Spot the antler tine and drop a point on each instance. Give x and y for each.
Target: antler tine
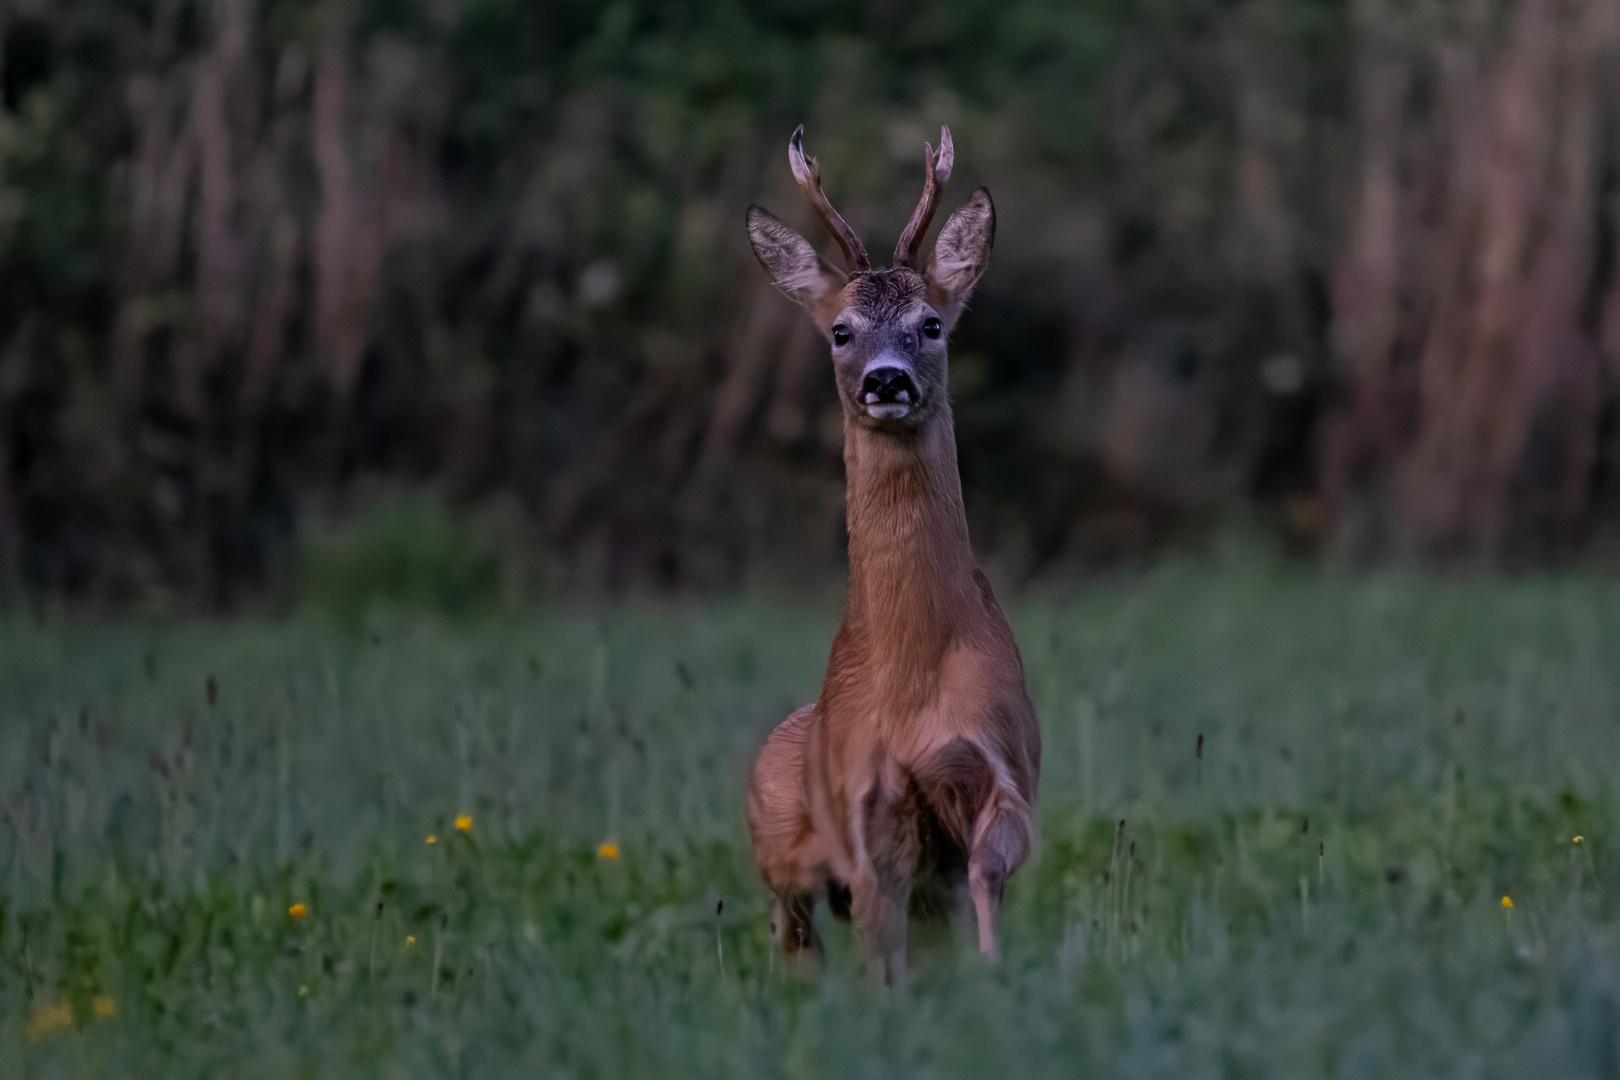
(807, 171)
(936, 173)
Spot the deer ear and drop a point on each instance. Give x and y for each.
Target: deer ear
(793, 264)
(961, 254)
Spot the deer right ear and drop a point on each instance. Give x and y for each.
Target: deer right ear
(961, 254)
(793, 264)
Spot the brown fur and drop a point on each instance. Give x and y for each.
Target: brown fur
(917, 766)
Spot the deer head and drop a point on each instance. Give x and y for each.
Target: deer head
(888, 328)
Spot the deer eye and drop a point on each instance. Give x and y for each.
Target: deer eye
(930, 328)
(840, 335)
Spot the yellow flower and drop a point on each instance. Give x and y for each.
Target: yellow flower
(1507, 902)
(105, 1006)
(48, 1018)
(298, 911)
(432, 839)
(1578, 839)
(463, 822)
(303, 991)
(410, 939)
(609, 849)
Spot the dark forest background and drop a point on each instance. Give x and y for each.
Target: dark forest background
(1346, 266)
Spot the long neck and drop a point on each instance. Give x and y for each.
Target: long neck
(911, 565)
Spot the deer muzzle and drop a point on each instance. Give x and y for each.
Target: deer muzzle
(888, 391)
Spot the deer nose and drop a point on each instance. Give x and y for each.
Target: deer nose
(888, 384)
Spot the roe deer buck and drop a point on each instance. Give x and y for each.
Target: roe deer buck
(917, 765)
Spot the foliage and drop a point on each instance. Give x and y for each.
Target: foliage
(254, 252)
(1318, 892)
(405, 548)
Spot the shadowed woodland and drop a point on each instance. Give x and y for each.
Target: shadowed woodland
(1351, 263)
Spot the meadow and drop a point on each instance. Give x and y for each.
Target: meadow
(1280, 810)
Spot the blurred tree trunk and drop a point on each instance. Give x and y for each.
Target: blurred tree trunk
(348, 247)
(1463, 306)
(14, 357)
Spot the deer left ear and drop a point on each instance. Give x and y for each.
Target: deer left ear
(961, 254)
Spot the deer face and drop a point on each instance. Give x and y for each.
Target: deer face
(887, 328)
(888, 349)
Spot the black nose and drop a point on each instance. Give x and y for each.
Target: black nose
(885, 384)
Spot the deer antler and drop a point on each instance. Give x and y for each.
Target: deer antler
(936, 174)
(807, 172)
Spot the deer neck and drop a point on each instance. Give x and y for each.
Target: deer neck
(912, 580)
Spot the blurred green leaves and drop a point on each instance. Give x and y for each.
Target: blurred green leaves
(496, 245)
(409, 549)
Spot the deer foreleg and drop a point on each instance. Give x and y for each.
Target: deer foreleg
(793, 922)
(1000, 842)
(878, 910)
(881, 892)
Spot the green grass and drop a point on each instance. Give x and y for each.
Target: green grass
(1444, 739)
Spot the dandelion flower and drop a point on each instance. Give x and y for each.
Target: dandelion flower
(1577, 840)
(48, 1018)
(1507, 902)
(609, 849)
(463, 822)
(298, 911)
(303, 991)
(432, 839)
(410, 939)
(105, 1006)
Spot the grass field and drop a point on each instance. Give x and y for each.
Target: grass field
(1320, 893)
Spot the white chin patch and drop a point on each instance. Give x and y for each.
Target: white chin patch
(892, 410)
